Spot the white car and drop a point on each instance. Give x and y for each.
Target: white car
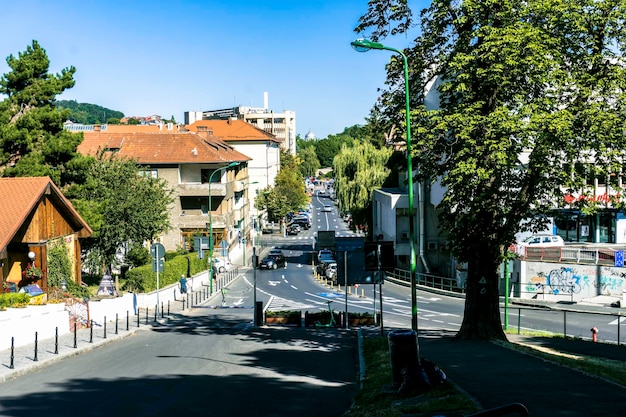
(327, 209)
(221, 265)
(543, 241)
(331, 271)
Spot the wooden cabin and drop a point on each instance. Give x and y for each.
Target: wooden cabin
(34, 214)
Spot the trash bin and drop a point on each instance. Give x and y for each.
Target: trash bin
(404, 353)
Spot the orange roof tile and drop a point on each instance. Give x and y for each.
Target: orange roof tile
(162, 148)
(20, 196)
(232, 130)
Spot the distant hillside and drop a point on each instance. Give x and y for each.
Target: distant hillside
(89, 114)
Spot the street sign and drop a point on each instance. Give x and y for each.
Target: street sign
(157, 251)
(326, 239)
(619, 258)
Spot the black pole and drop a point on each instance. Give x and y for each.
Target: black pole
(116, 321)
(105, 327)
(56, 340)
(91, 332)
(75, 340)
(11, 365)
(35, 358)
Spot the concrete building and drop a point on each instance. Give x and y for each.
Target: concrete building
(280, 124)
(264, 149)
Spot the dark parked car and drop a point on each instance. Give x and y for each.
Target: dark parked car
(293, 229)
(273, 262)
(303, 223)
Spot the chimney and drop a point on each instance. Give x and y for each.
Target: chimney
(96, 128)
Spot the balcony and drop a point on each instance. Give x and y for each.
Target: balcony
(194, 219)
(197, 189)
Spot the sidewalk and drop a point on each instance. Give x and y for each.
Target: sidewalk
(495, 375)
(28, 358)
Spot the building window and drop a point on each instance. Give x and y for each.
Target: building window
(149, 173)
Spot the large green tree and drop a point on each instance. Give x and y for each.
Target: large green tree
(358, 171)
(122, 207)
(309, 164)
(527, 89)
(32, 139)
(287, 194)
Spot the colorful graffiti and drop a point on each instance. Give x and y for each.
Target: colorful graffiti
(580, 281)
(564, 281)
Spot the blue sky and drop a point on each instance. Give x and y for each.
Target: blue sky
(168, 57)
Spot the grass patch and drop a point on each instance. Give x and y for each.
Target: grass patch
(378, 399)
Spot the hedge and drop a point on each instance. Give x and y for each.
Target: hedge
(142, 279)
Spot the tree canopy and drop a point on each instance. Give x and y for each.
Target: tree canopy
(288, 193)
(527, 90)
(121, 206)
(32, 139)
(358, 171)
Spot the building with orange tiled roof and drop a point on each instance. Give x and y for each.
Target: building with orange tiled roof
(187, 162)
(33, 215)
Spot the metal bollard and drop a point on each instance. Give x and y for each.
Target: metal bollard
(91, 332)
(156, 312)
(35, 358)
(168, 307)
(11, 365)
(116, 321)
(75, 340)
(56, 340)
(105, 327)
(147, 313)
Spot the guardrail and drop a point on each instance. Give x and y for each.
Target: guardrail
(593, 255)
(403, 277)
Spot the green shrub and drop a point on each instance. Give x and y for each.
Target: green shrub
(14, 299)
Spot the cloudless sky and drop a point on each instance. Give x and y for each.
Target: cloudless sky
(167, 57)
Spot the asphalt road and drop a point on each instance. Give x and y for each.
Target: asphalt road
(209, 363)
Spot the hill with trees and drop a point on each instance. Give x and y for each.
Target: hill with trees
(89, 114)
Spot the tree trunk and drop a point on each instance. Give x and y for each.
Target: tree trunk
(481, 319)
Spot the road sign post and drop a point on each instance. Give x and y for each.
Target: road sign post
(157, 251)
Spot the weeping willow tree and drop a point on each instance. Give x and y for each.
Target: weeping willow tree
(359, 170)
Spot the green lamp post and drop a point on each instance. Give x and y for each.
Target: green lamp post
(364, 45)
(244, 222)
(232, 164)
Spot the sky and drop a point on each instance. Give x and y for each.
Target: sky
(167, 57)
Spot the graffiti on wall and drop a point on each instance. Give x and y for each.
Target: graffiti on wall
(564, 281)
(580, 280)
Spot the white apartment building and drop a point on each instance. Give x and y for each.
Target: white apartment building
(280, 124)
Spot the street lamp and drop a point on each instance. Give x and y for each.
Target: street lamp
(244, 220)
(364, 45)
(232, 164)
